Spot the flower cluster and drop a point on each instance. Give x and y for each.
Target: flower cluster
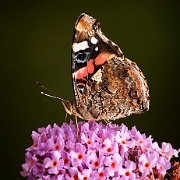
(99, 152)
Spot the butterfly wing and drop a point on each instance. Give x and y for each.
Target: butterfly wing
(90, 50)
(106, 85)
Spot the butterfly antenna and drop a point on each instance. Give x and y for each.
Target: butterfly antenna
(48, 95)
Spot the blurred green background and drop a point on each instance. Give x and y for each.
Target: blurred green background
(36, 39)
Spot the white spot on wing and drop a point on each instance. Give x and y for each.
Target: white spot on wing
(94, 40)
(96, 48)
(97, 76)
(80, 46)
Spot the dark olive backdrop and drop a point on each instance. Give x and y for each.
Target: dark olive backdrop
(35, 45)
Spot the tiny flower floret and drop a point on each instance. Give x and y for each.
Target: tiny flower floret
(99, 152)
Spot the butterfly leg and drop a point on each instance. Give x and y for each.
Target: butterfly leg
(77, 128)
(107, 121)
(66, 116)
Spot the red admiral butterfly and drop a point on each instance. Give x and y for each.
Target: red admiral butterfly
(107, 85)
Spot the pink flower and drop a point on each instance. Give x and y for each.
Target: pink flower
(100, 152)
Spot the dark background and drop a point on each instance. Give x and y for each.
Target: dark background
(36, 39)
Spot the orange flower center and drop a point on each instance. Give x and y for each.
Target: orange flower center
(109, 149)
(79, 156)
(75, 177)
(101, 174)
(127, 173)
(56, 147)
(65, 160)
(146, 165)
(113, 164)
(54, 163)
(96, 163)
(89, 141)
(123, 142)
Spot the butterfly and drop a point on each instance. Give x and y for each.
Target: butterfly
(107, 86)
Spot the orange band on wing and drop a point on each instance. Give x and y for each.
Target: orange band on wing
(84, 71)
(101, 58)
(90, 66)
(81, 73)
